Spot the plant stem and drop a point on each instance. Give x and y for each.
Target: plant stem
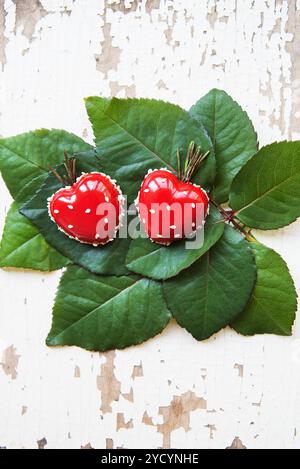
(193, 159)
(58, 177)
(70, 167)
(178, 163)
(229, 216)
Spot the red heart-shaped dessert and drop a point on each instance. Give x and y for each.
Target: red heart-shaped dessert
(90, 211)
(169, 208)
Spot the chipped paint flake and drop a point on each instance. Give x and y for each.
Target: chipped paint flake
(240, 369)
(109, 443)
(10, 361)
(122, 91)
(121, 422)
(236, 444)
(128, 396)
(28, 14)
(124, 7)
(147, 420)
(110, 55)
(3, 38)
(87, 446)
(42, 443)
(137, 371)
(177, 414)
(108, 384)
(152, 5)
(212, 428)
(161, 85)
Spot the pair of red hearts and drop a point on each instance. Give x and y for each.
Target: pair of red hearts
(91, 210)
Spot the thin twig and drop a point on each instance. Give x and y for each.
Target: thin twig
(70, 167)
(229, 216)
(194, 158)
(60, 179)
(178, 163)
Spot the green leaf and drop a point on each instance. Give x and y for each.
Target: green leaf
(25, 159)
(162, 262)
(101, 313)
(232, 134)
(266, 192)
(210, 294)
(135, 135)
(22, 246)
(273, 304)
(106, 260)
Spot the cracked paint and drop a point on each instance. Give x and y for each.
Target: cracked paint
(176, 51)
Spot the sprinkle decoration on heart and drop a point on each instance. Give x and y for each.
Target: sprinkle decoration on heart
(170, 207)
(89, 211)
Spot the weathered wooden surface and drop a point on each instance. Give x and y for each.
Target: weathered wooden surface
(171, 391)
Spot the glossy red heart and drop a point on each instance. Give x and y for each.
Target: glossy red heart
(169, 208)
(90, 211)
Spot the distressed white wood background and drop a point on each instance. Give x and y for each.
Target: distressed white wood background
(171, 391)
